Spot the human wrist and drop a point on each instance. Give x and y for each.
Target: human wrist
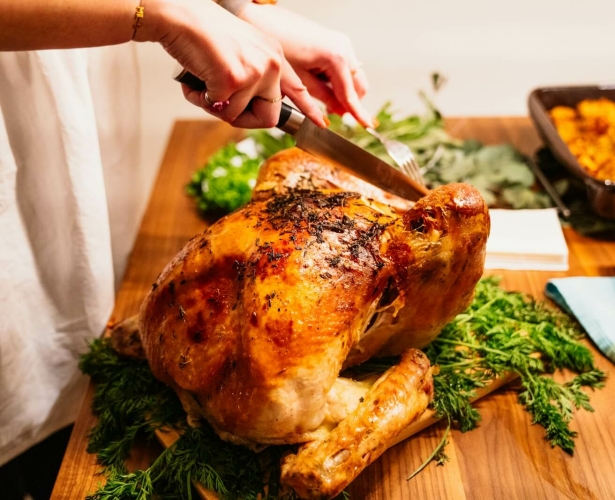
(163, 18)
(150, 22)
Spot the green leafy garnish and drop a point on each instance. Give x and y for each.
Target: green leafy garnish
(196, 456)
(503, 332)
(225, 183)
(129, 403)
(500, 332)
(498, 171)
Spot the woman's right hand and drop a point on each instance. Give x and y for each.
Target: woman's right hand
(236, 61)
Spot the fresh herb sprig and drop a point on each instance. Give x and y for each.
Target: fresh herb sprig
(129, 403)
(500, 332)
(198, 456)
(503, 332)
(497, 171)
(225, 183)
(437, 455)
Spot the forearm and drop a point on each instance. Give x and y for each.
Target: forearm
(63, 24)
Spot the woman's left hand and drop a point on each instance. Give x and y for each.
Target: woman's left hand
(323, 58)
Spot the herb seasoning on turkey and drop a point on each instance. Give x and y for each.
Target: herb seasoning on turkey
(255, 337)
(253, 322)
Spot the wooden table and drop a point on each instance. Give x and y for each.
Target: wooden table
(505, 458)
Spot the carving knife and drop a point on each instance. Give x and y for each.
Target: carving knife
(335, 148)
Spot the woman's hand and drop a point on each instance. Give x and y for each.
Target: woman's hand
(237, 62)
(324, 59)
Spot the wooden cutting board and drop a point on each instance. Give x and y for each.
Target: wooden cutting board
(168, 436)
(505, 458)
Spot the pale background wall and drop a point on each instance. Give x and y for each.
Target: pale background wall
(492, 52)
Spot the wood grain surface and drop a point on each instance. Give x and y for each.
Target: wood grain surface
(505, 458)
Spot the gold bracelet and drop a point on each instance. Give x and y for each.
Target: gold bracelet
(139, 14)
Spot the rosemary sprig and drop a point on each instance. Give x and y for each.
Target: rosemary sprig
(500, 332)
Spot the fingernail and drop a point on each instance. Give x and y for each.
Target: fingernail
(219, 106)
(375, 122)
(326, 120)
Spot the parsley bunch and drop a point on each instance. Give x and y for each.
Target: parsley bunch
(225, 183)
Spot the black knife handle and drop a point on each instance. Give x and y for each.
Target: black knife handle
(192, 81)
(285, 113)
(196, 83)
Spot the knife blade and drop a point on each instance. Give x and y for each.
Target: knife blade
(335, 148)
(340, 151)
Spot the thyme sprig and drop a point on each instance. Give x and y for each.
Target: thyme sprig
(500, 332)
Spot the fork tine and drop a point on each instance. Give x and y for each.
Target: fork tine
(416, 169)
(409, 162)
(402, 155)
(406, 169)
(411, 169)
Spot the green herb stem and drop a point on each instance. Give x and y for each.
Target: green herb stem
(438, 449)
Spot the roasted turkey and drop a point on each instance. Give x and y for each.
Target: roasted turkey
(254, 320)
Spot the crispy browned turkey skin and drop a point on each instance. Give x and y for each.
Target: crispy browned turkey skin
(293, 169)
(252, 322)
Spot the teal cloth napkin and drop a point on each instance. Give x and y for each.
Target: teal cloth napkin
(592, 302)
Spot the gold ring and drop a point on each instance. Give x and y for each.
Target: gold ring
(272, 101)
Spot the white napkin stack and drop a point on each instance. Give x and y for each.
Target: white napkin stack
(526, 240)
